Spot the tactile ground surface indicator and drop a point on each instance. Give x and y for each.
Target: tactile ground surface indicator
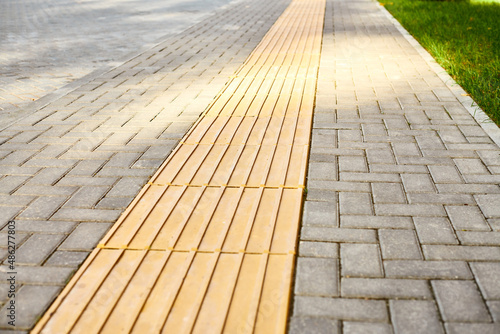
(208, 245)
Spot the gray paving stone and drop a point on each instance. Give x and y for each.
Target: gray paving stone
(486, 275)
(468, 188)
(324, 137)
(86, 197)
(310, 233)
(369, 177)
(489, 204)
(479, 238)
(324, 190)
(308, 325)
(322, 171)
(66, 259)
(467, 218)
(127, 187)
(352, 164)
(446, 199)
(399, 245)
(37, 248)
(319, 214)
(48, 176)
(360, 260)
(41, 275)
(10, 183)
(45, 191)
(366, 328)
(388, 193)
(30, 301)
(427, 269)
(380, 156)
(480, 178)
(471, 166)
(417, 183)
(318, 249)
(340, 308)
(316, 277)
(77, 214)
(434, 230)
(460, 301)
(355, 203)
(461, 253)
(416, 210)
(43, 226)
(114, 203)
(375, 222)
(43, 207)
(415, 316)
(85, 236)
(87, 181)
(384, 288)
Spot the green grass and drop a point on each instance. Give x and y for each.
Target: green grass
(464, 37)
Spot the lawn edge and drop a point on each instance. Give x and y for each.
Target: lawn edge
(462, 96)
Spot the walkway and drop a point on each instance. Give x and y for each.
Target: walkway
(400, 229)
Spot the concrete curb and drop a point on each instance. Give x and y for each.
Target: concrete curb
(472, 107)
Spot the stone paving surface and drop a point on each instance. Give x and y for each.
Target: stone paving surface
(47, 44)
(401, 225)
(70, 169)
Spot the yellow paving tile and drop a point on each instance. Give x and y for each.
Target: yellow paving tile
(236, 165)
(181, 292)
(208, 244)
(254, 220)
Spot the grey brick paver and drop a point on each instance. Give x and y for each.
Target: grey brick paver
(341, 308)
(384, 288)
(427, 269)
(415, 316)
(360, 260)
(460, 301)
(316, 277)
(486, 275)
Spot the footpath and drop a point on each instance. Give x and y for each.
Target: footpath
(294, 165)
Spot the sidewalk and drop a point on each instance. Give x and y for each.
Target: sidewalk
(401, 221)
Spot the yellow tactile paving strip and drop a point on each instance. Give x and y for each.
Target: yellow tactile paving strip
(208, 245)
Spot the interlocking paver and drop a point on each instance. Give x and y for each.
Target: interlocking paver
(460, 301)
(361, 260)
(427, 269)
(415, 316)
(386, 288)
